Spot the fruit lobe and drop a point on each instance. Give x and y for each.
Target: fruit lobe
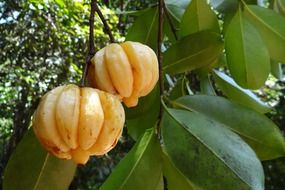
(129, 70)
(74, 123)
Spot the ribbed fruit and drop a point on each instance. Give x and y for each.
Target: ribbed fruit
(74, 123)
(129, 70)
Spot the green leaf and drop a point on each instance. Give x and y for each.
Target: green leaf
(257, 130)
(143, 116)
(276, 70)
(145, 29)
(269, 25)
(203, 146)
(279, 6)
(247, 56)
(206, 85)
(179, 89)
(198, 17)
(192, 52)
(31, 167)
(176, 8)
(175, 179)
(141, 169)
(224, 6)
(239, 95)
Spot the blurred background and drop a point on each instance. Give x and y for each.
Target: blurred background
(43, 44)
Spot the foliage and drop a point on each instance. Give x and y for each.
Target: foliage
(213, 130)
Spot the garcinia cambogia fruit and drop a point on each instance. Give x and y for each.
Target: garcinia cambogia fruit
(129, 70)
(74, 123)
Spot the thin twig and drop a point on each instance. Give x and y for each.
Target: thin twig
(159, 55)
(106, 26)
(91, 50)
(172, 27)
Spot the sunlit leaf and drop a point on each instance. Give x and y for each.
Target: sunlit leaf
(198, 17)
(247, 57)
(269, 25)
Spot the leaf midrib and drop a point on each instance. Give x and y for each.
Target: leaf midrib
(41, 171)
(188, 57)
(151, 26)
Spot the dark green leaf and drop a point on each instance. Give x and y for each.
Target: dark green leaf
(141, 169)
(276, 70)
(239, 95)
(225, 6)
(269, 25)
(198, 17)
(192, 52)
(144, 115)
(210, 155)
(144, 29)
(175, 179)
(176, 8)
(31, 167)
(247, 56)
(179, 89)
(256, 129)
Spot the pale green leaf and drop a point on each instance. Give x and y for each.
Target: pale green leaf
(208, 154)
(31, 167)
(247, 57)
(276, 70)
(239, 95)
(256, 129)
(271, 26)
(198, 17)
(141, 168)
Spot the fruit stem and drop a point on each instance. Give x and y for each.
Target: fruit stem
(159, 56)
(106, 26)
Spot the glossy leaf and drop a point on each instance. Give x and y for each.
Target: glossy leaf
(239, 95)
(198, 17)
(175, 179)
(269, 25)
(31, 167)
(247, 56)
(276, 70)
(257, 130)
(141, 168)
(177, 8)
(210, 155)
(192, 52)
(144, 29)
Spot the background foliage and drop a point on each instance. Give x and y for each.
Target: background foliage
(44, 44)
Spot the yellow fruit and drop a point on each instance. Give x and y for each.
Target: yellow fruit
(129, 70)
(74, 123)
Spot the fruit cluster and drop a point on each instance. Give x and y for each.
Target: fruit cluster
(74, 122)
